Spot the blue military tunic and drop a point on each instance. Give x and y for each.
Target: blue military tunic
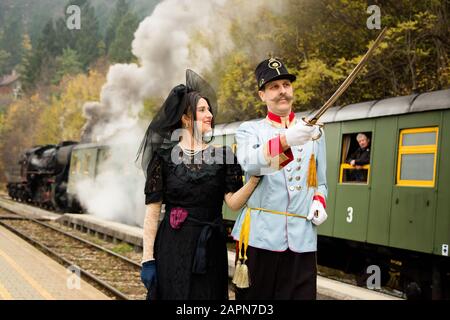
(283, 186)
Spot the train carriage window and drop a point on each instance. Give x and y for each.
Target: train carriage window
(355, 159)
(103, 155)
(87, 161)
(75, 165)
(417, 157)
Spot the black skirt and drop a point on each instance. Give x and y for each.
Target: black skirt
(179, 252)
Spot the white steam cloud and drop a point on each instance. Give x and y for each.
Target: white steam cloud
(164, 50)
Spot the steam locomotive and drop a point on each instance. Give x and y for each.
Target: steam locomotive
(41, 177)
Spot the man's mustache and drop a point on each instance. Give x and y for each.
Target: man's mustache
(288, 98)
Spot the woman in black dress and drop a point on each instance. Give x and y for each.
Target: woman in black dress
(186, 256)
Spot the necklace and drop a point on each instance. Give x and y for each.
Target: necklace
(190, 152)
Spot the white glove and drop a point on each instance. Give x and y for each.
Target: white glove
(300, 133)
(321, 213)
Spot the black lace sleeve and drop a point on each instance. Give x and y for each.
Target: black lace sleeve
(233, 176)
(154, 183)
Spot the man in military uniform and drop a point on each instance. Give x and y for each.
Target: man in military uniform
(280, 220)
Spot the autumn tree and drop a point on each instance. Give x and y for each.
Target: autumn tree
(17, 130)
(63, 118)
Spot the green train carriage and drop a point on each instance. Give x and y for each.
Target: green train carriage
(86, 160)
(399, 217)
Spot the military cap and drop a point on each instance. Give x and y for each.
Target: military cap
(270, 70)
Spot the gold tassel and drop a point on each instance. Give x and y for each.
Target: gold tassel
(312, 172)
(243, 280)
(237, 273)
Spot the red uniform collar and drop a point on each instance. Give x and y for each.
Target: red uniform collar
(279, 121)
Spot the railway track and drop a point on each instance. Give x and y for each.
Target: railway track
(115, 275)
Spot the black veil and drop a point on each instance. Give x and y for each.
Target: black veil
(167, 119)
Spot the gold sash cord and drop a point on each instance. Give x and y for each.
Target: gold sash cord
(241, 277)
(245, 230)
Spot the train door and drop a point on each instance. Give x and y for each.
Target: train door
(414, 194)
(353, 188)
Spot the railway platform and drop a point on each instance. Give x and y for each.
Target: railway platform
(28, 274)
(26, 210)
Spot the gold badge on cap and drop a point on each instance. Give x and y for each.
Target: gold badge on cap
(275, 64)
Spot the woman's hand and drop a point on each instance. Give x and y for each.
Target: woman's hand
(254, 180)
(238, 199)
(148, 274)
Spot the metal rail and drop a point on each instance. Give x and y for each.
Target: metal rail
(113, 291)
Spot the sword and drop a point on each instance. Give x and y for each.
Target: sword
(346, 82)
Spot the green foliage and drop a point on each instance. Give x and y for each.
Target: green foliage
(237, 98)
(67, 64)
(9, 34)
(44, 63)
(314, 79)
(123, 248)
(39, 63)
(4, 56)
(86, 40)
(120, 50)
(120, 11)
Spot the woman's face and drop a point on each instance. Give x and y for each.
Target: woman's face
(204, 116)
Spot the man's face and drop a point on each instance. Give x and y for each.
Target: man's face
(363, 142)
(278, 96)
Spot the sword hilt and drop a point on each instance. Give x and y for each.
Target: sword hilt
(313, 122)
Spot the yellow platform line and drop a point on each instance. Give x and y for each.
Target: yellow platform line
(27, 277)
(4, 294)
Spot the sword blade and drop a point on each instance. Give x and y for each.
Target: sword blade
(348, 80)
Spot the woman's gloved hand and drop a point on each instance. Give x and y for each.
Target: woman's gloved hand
(148, 274)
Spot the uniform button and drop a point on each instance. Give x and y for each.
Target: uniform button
(291, 188)
(298, 187)
(297, 178)
(298, 168)
(288, 169)
(300, 149)
(290, 178)
(299, 159)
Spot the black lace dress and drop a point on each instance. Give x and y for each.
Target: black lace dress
(191, 261)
